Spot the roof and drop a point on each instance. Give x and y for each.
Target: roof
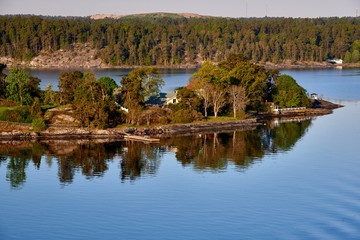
(190, 85)
(170, 95)
(161, 99)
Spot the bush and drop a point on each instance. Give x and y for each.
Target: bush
(241, 115)
(20, 114)
(186, 116)
(38, 124)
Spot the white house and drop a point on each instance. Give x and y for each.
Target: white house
(314, 96)
(162, 99)
(336, 61)
(171, 98)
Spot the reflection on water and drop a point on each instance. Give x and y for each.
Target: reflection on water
(203, 152)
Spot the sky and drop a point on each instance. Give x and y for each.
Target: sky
(223, 8)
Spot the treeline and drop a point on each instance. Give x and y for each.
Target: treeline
(168, 41)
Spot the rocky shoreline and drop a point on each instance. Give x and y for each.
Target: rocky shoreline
(82, 56)
(70, 133)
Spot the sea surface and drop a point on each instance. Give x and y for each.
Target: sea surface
(174, 78)
(284, 180)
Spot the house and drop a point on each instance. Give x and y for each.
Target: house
(314, 96)
(171, 98)
(273, 106)
(336, 61)
(162, 99)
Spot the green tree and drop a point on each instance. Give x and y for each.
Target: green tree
(131, 91)
(50, 96)
(109, 84)
(2, 80)
(237, 70)
(348, 57)
(150, 79)
(17, 87)
(188, 99)
(91, 108)
(287, 93)
(36, 108)
(68, 82)
(253, 78)
(33, 86)
(132, 97)
(355, 56)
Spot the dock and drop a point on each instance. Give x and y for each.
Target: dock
(141, 139)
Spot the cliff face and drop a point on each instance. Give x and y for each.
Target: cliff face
(77, 56)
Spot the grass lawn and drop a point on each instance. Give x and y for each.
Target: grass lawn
(4, 108)
(204, 120)
(219, 119)
(15, 114)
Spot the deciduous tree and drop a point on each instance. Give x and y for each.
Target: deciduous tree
(218, 99)
(238, 98)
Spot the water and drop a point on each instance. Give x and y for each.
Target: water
(291, 180)
(174, 78)
(335, 83)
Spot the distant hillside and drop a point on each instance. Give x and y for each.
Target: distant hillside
(180, 39)
(148, 15)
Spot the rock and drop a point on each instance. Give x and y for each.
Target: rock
(102, 132)
(34, 134)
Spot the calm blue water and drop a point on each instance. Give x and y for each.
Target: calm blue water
(174, 78)
(297, 180)
(333, 83)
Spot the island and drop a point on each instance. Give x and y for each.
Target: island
(234, 94)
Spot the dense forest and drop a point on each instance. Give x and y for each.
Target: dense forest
(169, 40)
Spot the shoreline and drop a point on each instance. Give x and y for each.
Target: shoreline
(147, 133)
(98, 65)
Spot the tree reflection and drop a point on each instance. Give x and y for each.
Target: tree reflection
(91, 158)
(202, 152)
(16, 174)
(214, 151)
(18, 161)
(284, 135)
(139, 158)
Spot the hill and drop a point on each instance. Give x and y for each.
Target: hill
(148, 16)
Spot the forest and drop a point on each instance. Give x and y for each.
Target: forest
(178, 40)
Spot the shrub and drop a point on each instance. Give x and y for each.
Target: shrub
(38, 124)
(20, 114)
(241, 115)
(186, 116)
